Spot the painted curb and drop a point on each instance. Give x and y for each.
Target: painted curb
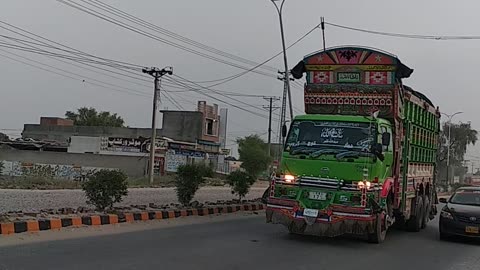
(98, 220)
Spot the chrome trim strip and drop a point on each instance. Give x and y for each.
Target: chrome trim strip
(279, 206)
(350, 214)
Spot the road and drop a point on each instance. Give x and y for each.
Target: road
(243, 242)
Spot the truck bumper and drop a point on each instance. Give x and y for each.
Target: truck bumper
(329, 225)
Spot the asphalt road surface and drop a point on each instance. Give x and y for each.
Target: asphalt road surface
(245, 242)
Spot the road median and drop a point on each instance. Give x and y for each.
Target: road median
(97, 219)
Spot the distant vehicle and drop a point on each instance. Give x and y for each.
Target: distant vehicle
(461, 214)
(363, 156)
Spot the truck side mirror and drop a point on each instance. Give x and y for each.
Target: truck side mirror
(284, 130)
(386, 139)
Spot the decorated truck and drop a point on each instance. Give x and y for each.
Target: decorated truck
(363, 156)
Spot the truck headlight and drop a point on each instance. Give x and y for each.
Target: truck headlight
(289, 178)
(364, 184)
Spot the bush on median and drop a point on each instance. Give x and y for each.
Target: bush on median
(188, 180)
(240, 181)
(105, 188)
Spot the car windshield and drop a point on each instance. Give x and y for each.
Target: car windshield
(330, 134)
(467, 197)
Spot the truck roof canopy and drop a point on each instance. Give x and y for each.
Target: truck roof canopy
(374, 59)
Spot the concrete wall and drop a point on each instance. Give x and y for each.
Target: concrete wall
(182, 125)
(133, 166)
(63, 133)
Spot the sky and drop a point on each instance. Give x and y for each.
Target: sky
(446, 71)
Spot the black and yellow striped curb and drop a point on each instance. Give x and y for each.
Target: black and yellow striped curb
(96, 220)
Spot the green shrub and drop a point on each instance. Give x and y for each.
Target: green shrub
(240, 181)
(105, 188)
(188, 180)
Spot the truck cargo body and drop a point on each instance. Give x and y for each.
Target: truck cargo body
(363, 156)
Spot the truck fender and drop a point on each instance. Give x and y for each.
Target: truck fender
(387, 186)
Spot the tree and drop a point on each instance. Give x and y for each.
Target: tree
(461, 135)
(253, 154)
(90, 117)
(188, 180)
(105, 188)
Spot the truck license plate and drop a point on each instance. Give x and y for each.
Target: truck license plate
(316, 195)
(310, 212)
(471, 229)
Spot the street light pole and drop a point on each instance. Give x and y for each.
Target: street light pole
(287, 73)
(450, 116)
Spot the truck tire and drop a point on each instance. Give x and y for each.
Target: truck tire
(426, 212)
(380, 232)
(414, 224)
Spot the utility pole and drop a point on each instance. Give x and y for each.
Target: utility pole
(283, 113)
(270, 108)
(156, 74)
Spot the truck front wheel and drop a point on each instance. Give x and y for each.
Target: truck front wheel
(380, 230)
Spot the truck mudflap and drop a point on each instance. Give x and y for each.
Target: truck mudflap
(329, 223)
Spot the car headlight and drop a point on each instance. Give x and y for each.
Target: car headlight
(446, 214)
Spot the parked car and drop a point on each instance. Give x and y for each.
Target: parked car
(461, 214)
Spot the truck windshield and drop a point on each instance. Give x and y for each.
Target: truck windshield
(331, 134)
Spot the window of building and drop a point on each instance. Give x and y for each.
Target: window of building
(209, 125)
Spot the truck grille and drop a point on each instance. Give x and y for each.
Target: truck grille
(468, 219)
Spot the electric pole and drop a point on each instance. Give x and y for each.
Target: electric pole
(270, 108)
(286, 86)
(156, 74)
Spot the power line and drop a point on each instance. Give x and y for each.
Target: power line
(69, 72)
(218, 99)
(401, 35)
(115, 11)
(68, 76)
(215, 92)
(172, 100)
(49, 54)
(62, 45)
(152, 36)
(230, 78)
(82, 59)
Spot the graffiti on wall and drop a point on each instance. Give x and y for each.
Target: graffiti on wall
(70, 172)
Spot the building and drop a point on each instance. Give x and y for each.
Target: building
(185, 136)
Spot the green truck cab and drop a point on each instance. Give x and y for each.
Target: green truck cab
(363, 157)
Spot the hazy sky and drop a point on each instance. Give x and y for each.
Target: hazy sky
(446, 71)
